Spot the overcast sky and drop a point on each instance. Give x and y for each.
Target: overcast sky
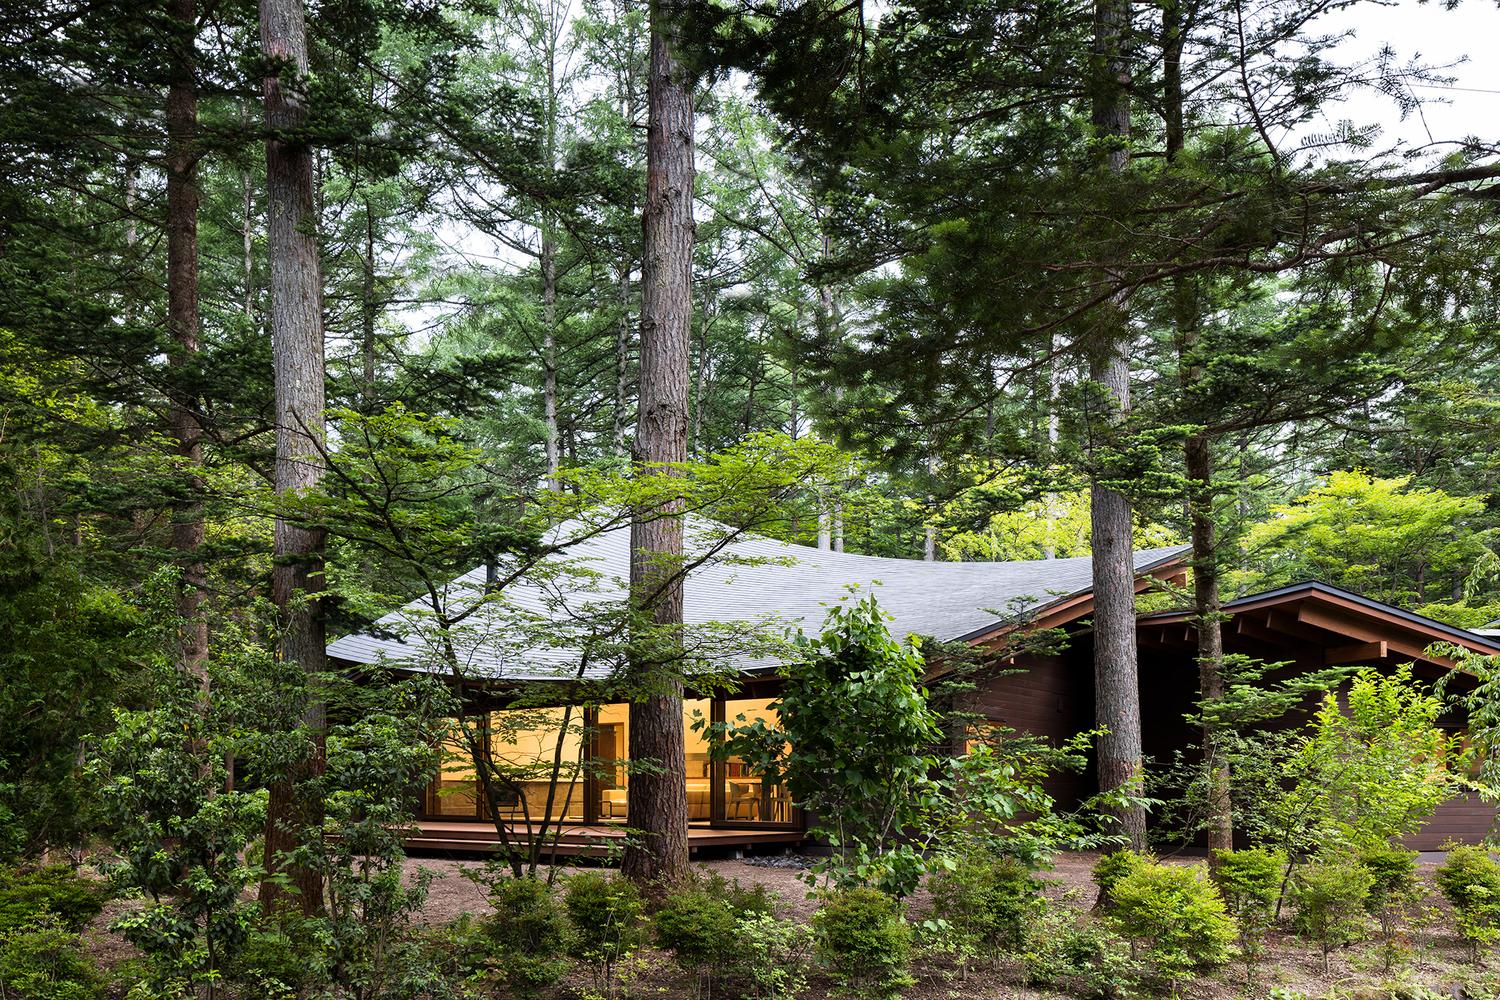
(1470, 106)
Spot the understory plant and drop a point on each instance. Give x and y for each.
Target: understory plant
(699, 924)
(1076, 956)
(771, 957)
(1393, 889)
(606, 913)
(526, 938)
(1470, 880)
(1328, 899)
(982, 905)
(44, 961)
(1174, 918)
(861, 937)
(56, 893)
(1249, 881)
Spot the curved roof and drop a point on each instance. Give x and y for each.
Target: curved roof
(752, 579)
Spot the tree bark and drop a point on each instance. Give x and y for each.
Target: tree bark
(622, 358)
(1117, 702)
(294, 811)
(1198, 464)
(182, 323)
(658, 796)
(552, 442)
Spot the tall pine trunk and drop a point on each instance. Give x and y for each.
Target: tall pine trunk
(658, 795)
(1117, 700)
(182, 323)
(1198, 464)
(294, 811)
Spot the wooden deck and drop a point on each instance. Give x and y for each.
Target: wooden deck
(579, 840)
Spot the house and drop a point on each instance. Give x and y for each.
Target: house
(773, 585)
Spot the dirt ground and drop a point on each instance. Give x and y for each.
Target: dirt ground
(1292, 968)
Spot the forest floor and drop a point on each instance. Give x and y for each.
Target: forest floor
(1432, 958)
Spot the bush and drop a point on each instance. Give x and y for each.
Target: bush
(699, 923)
(1078, 959)
(44, 962)
(1393, 885)
(698, 928)
(861, 937)
(528, 934)
(605, 911)
(1329, 897)
(985, 902)
(770, 957)
(26, 896)
(1112, 867)
(1250, 883)
(1175, 911)
(1470, 880)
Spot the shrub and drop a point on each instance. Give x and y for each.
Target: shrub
(861, 937)
(1079, 959)
(26, 896)
(770, 957)
(1470, 880)
(1393, 885)
(1112, 867)
(698, 923)
(985, 902)
(605, 911)
(528, 934)
(1175, 911)
(698, 928)
(1250, 883)
(1329, 897)
(47, 963)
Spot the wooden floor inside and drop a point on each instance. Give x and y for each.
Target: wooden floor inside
(579, 840)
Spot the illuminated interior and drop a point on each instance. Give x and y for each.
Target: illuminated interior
(591, 754)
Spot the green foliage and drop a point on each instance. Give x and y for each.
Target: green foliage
(528, 936)
(1385, 538)
(1114, 866)
(1370, 770)
(1078, 957)
(606, 914)
(983, 904)
(1174, 915)
(771, 957)
(1250, 881)
(29, 896)
(854, 745)
(1393, 888)
(1470, 880)
(1329, 900)
(46, 962)
(179, 836)
(861, 937)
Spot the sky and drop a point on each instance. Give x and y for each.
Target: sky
(1468, 106)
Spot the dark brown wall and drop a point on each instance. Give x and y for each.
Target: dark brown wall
(1052, 696)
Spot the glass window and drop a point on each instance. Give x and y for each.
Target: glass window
(748, 798)
(611, 750)
(455, 790)
(539, 751)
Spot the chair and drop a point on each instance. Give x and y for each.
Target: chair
(613, 803)
(742, 794)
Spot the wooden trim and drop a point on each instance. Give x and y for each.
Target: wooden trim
(1359, 652)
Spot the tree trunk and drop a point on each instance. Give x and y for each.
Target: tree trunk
(1117, 700)
(1198, 464)
(622, 358)
(182, 322)
(658, 796)
(553, 440)
(369, 312)
(297, 355)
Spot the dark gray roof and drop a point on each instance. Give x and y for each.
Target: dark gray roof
(786, 586)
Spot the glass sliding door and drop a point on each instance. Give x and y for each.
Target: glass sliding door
(611, 754)
(749, 797)
(539, 751)
(454, 793)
